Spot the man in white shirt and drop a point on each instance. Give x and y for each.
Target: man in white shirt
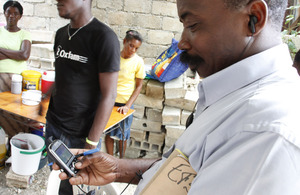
(245, 138)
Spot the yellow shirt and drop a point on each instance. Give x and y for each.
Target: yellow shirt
(130, 69)
(13, 41)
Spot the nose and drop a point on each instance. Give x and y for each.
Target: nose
(133, 50)
(184, 42)
(12, 15)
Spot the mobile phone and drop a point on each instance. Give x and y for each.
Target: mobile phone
(61, 154)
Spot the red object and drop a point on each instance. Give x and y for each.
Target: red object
(46, 85)
(47, 81)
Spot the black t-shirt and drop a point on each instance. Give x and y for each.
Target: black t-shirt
(92, 50)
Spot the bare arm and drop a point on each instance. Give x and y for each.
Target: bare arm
(2, 56)
(22, 54)
(108, 87)
(134, 95)
(101, 168)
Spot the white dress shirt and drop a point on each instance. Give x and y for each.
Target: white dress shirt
(245, 138)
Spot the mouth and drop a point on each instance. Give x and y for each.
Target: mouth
(10, 20)
(193, 60)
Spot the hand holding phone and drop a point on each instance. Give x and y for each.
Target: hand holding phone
(61, 154)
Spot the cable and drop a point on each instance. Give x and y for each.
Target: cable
(247, 47)
(138, 175)
(81, 189)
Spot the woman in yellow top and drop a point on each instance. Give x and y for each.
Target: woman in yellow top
(130, 83)
(15, 45)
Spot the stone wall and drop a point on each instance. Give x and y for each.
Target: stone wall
(156, 20)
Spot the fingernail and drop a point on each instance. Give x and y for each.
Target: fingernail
(79, 164)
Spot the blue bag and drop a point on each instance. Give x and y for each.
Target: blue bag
(168, 65)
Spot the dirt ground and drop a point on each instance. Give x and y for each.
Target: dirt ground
(38, 185)
(40, 182)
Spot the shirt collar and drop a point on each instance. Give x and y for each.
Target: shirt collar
(242, 73)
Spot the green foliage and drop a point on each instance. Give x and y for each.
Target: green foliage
(290, 29)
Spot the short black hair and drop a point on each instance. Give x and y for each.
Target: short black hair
(132, 34)
(276, 9)
(11, 3)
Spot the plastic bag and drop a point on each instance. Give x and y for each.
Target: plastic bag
(168, 65)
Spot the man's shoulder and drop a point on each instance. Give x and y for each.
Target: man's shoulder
(62, 28)
(101, 28)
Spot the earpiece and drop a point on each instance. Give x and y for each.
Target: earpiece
(253, 21)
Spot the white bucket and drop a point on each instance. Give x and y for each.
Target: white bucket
(26, 161)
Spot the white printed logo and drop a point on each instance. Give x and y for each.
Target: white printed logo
(69, 55)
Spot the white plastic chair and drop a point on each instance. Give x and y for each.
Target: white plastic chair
(54, 181)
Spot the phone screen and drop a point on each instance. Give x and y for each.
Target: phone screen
(64, 154)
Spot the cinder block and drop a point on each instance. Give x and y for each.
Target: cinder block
(171, 116)
(191, 84)
(146, 101)
(150, 154)
(47, 64)
(176, 103)
(174, 131)
(174, 89)
(145, 146)
(139, 111)
(188, 103)
(159, 37)
(145, 82)
(132, 153)
(34, 62)
(155, 89)
(42, 51)
(138, 135)
(164, 8)
(42, 36)
(184, 115)
(156, 138)
(190, 100)
(154, 114)
(146, 125)
(170, 141)
(18, 181)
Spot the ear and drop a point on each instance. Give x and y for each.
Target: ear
(259, 10)
(124, 41)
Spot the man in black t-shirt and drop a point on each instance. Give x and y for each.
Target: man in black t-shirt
(87, 61)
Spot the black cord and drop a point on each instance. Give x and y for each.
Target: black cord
(81, 189)
(139, 175)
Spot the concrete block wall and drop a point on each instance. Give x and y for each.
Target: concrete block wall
(156, 20)
(42, 54)
(156, 125)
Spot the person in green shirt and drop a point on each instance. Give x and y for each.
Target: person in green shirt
(15, 45)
